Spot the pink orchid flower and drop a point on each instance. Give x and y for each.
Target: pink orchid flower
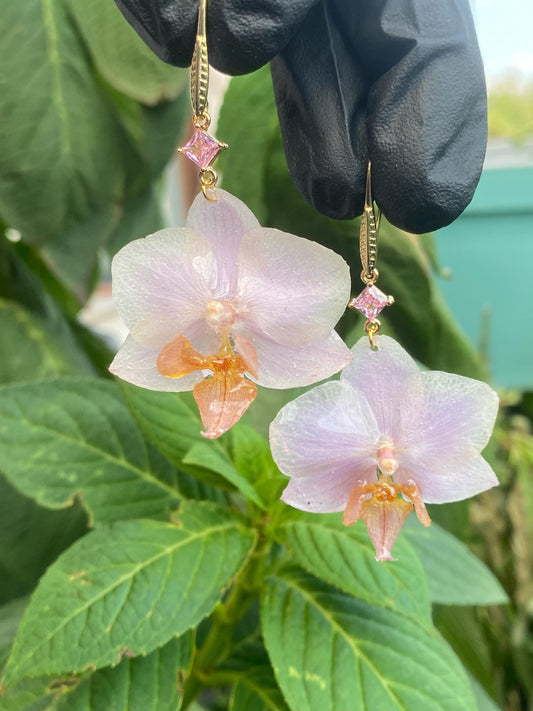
(383, 440)
(222, 304)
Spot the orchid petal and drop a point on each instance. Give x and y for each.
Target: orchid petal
(292, 289)
(325, 493)
(384, 521)
(282, 366)
(178, 358)
(163, 278)
(381, 376)
(454, 484)
(138, 365)
(222, 400)
(445, 421)
(327, 433)
(224, 222)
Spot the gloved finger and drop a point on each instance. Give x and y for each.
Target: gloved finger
(426, 105)
(321, 98)
(241, 36)
(420, 92)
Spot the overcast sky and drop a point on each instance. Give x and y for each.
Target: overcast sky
(505, 31)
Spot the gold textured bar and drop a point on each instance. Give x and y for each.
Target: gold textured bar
(368, 233)
(200, 65)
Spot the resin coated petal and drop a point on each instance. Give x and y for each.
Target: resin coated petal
(446, 420)
(381, 375)
(222, 400)
(384, 521)
(178, 358)
(163, 277)
(452, 485)
(329, 430)
(294, 290)
(325, 493)
(224, 222)
(280, 366)
(137, 364)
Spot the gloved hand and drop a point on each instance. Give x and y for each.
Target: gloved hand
(399, 82)
(242, 35)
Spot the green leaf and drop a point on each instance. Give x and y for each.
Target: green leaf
(248, 119)
(455, 575)
(75, 437)
(127, 588)
(29, 695)
(32, 537)
(28, 351)
(257, 690)
(21, 281)
(253, 459)
(120, 55)
(150, 683)
(140, 217)
(345, 557)
(331, 651)
(484, 701)
(466, 633)
(10, 616)
(204, 454)
(172, 423)
(60, 148)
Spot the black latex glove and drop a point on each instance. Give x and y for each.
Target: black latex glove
(399, 82)
(242, 35)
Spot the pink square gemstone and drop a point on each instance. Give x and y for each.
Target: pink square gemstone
(201, 148)
(370, 302)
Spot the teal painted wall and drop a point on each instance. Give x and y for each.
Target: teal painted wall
(489, 250)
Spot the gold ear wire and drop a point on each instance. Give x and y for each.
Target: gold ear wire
(368, 234)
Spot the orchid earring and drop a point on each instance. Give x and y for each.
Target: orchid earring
(386, 438)
(223, 305)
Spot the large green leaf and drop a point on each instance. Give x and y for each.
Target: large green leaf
(484, 701)
(21, 282)
(120, 55)
(127, 588)
(466, 633)
(331, 651)
(61, 160)
(248, 122)
(10, 616)
(345, 557)
(213, 458)
(141, 216)
(455, 575)
(75, 437)
(253, 459)
(28, 351)
(32, 537)
(172, 423)
(256, 690)
(29, 695)
(150, 683)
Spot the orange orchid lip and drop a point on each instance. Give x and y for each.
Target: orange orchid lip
(223, 397)
(384, 506)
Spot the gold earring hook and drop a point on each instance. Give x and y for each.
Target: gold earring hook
(200, 71)
(368, 235)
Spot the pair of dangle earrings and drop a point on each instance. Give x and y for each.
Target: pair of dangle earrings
(223, 305)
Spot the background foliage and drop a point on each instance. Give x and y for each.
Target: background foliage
(143, 567)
